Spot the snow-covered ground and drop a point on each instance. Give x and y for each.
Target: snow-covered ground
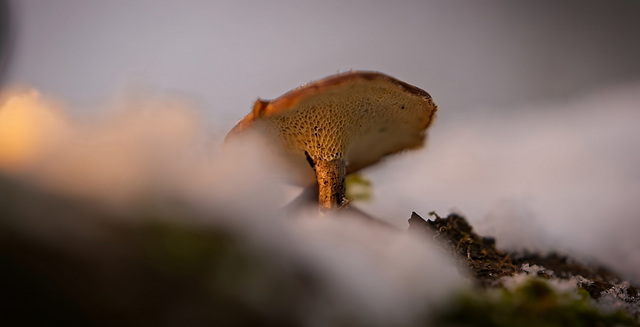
(559, 176)
(563, 178)
(157, 152)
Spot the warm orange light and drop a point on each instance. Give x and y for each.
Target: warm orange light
(27, 126)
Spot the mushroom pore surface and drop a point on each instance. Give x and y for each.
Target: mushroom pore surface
(359, 122)
(341, 124)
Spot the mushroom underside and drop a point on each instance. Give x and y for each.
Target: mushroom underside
(340, 125)
(349, 129)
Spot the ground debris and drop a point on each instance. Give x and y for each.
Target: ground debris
(479, 254)
(487, 264)
(596, 279)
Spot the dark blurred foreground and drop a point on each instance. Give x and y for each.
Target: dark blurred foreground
(78, 264)
(75, 263)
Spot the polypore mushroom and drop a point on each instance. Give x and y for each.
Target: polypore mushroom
(343, 123)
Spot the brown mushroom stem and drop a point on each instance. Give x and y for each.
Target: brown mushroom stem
(331, 186)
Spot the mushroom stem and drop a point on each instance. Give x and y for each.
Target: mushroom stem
(331, 187)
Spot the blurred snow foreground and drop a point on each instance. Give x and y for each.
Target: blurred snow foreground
(75, 185)
(152, 165)
(560, 176)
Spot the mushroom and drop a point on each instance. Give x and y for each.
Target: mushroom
(343, 123)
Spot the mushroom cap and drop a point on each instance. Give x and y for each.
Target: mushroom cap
(358, 116)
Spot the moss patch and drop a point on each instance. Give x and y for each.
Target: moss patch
(534, 303)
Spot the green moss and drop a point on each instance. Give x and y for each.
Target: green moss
(358, 187)
(535, 303)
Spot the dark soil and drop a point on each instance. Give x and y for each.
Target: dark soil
(479, 254)
(487, 264)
